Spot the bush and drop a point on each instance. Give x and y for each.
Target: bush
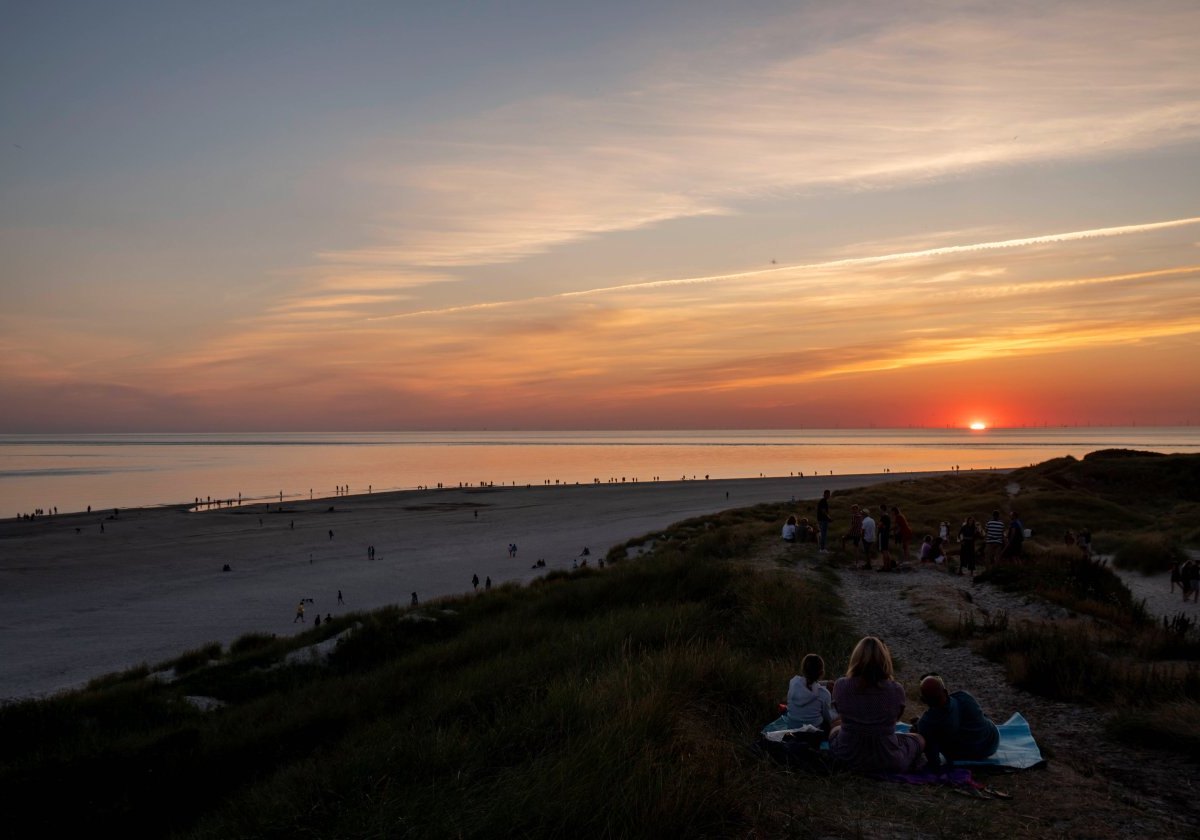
(1150, 554)
(1066, 578)
(1171, 726)
(196, 658)
(250, 641)
(1057, 662)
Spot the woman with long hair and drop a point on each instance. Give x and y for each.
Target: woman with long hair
(869, 702)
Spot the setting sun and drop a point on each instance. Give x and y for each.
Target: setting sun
(978, 426)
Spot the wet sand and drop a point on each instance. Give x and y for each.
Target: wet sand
(151, 585)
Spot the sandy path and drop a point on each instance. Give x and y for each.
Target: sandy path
(1155, 590)
(1132, 790)
(79, 605)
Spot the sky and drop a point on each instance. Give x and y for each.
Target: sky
(260, 216)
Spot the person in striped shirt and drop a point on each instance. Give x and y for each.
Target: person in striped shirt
(993, 539)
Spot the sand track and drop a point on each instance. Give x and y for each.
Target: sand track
(1130, 790)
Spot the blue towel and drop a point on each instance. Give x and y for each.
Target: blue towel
(1017, 750)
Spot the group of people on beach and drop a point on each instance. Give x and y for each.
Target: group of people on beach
(889, 536)
(858, 714)
(29, 517)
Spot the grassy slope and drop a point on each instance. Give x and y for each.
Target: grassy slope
(613, 703)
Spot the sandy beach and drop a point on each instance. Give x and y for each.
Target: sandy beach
(82, 602)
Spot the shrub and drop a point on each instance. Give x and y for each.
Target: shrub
(134, 674)
(1066, 578)
(1149, 554)
(969, 627)
(196, 658)
(1053, 661)
(1171, 726)
(249, 642)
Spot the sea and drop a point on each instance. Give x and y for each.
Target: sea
(72, 472)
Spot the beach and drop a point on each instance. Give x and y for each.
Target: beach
(83, 602)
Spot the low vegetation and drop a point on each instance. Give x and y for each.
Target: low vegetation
(1149, 554)
(1110, 652)
(594, 704)
(614, 702)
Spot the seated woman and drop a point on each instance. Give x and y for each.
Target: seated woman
(789, 529)
(806, 532)
(809, 702)
(926, 553)
(938, 551)
(868, 703)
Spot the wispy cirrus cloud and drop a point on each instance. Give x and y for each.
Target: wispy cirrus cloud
(912, 98)
(787, 273)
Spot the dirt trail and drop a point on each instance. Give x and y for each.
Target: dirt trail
(1155, 590)
(1090, 787)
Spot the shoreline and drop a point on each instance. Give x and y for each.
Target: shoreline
(85, 602)
(233, 504)
(73, 472)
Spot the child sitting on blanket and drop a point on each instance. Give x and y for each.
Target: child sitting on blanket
(808, 701)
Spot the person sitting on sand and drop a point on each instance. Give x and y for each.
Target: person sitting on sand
(954, 726)
(938, 552)
(925, 555)
(808, 701)
(789, 529)
(869, 702)
(806, 532)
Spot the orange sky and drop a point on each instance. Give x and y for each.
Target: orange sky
(900, 214)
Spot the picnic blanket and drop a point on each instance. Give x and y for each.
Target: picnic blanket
(1017, 750)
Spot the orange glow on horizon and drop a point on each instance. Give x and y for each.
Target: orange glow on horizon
(978, 426)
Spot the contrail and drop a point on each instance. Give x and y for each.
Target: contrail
(1070, 236)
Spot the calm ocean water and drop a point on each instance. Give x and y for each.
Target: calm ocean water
(71, 472)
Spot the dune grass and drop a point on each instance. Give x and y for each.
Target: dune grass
(598, 704)
(608, 703)
(1144, 507)
(1170, 726)
(1149, 554)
